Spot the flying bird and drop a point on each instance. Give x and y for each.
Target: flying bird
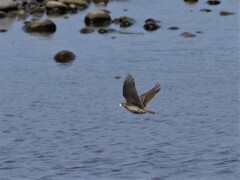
(134, 103)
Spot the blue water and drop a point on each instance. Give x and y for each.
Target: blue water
(61, 122)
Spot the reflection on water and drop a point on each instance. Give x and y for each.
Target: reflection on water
(63, 122)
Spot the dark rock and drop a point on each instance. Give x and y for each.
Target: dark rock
(151, 20)
(173, 28)
(226, 13)
(206, 10)
(97, 18)
(64, 56)
(40, 26)
(213, 2)
(106, 30)
(117, 77)
(2, 14)
(191, 1)
(151, 26)
(124, 21)
(3, 30)
(87, 30)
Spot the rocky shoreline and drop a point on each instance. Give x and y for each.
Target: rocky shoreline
(36, 9)
(41, 11)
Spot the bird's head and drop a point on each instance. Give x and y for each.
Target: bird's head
(122, 104)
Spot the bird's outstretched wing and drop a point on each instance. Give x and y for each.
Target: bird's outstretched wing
(130, 92)
(147, 97)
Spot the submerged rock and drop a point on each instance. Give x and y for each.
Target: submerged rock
(206, 10)
(151, 24)
(97, 18)
(3, 30)
(87, 30)
(40, 26)
(106, 30)
(191, 1)
(64, 56)
(173, 28)
(187, 35)
(124, 21)
(213, 2)
(226, 13)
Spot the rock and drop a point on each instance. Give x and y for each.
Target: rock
(117, 77)
(124, 21)
(22, 14)
(55, 4)
(206, 10)
(87, 30)
(226, 13)
(106, 30)
(37, 12)
(191, 1)
(64, 56)
(8, 5)
(3, 30)
(97, 18)
(173, 28)
(151, 24)
(82, 4)
(104, 2)
(151, 20)
(56, 8)
(40, 26)
(3, 14)
(213, 2)
(72, 9)
(187, 34)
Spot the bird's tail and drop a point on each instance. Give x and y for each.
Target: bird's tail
(151, 112)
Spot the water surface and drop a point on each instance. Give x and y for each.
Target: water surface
(62, 122)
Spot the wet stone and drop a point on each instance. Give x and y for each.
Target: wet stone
(191, 1)
(124, 21)
(226, 13)
(106, 30)
(81, 4)
(173, 28)
(40, 26)
(97, 18)
(3, 30)
(87, 30)
(151, 24)
(104, 2)
(3, 14)
(206, 10)
(213, 2)
(64, 56)
(7, 5)
(187, 35)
